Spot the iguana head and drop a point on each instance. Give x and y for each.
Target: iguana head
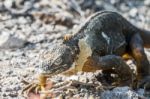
(57, 59)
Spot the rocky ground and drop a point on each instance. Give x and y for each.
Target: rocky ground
(27, 27)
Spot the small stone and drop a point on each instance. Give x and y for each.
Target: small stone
(120, 93)
(109, 7)
(80, 73)
(83, 79)
(140, 92)
(43, 96)
(17, 88)
(124, 7)
(59, 97)
(133, 12)
(69, 92)
(142, 18)
(9, 41)
(114, 1)
(4, 95)
(77, 96)
(83, 90)
(91, 97)
(8, 3)
(131, 65)
(73, 77)
(9, 72)
(147, 2)
(58, 79)
(13, 94)
(86, 96)
(22, 20)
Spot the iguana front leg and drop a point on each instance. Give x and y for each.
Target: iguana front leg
(117, 64)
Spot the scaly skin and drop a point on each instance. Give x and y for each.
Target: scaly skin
(99, 43)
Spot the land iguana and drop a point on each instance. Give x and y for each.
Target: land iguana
(100, 43)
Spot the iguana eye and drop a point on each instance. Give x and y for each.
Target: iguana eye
(58, 61)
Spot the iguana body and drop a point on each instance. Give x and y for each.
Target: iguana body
(99, 44)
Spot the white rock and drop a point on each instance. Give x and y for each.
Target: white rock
(114, 1)
(8, 3)
(83, 79)
(109, 7)
(120, 93)
(73, 77)
(133, 12)
(124, 7)
(9, 41)
(147, 2)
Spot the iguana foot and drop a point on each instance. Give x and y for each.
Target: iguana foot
(32, 87)
(35, 87)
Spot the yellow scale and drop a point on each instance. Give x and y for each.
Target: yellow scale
(83, 63)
